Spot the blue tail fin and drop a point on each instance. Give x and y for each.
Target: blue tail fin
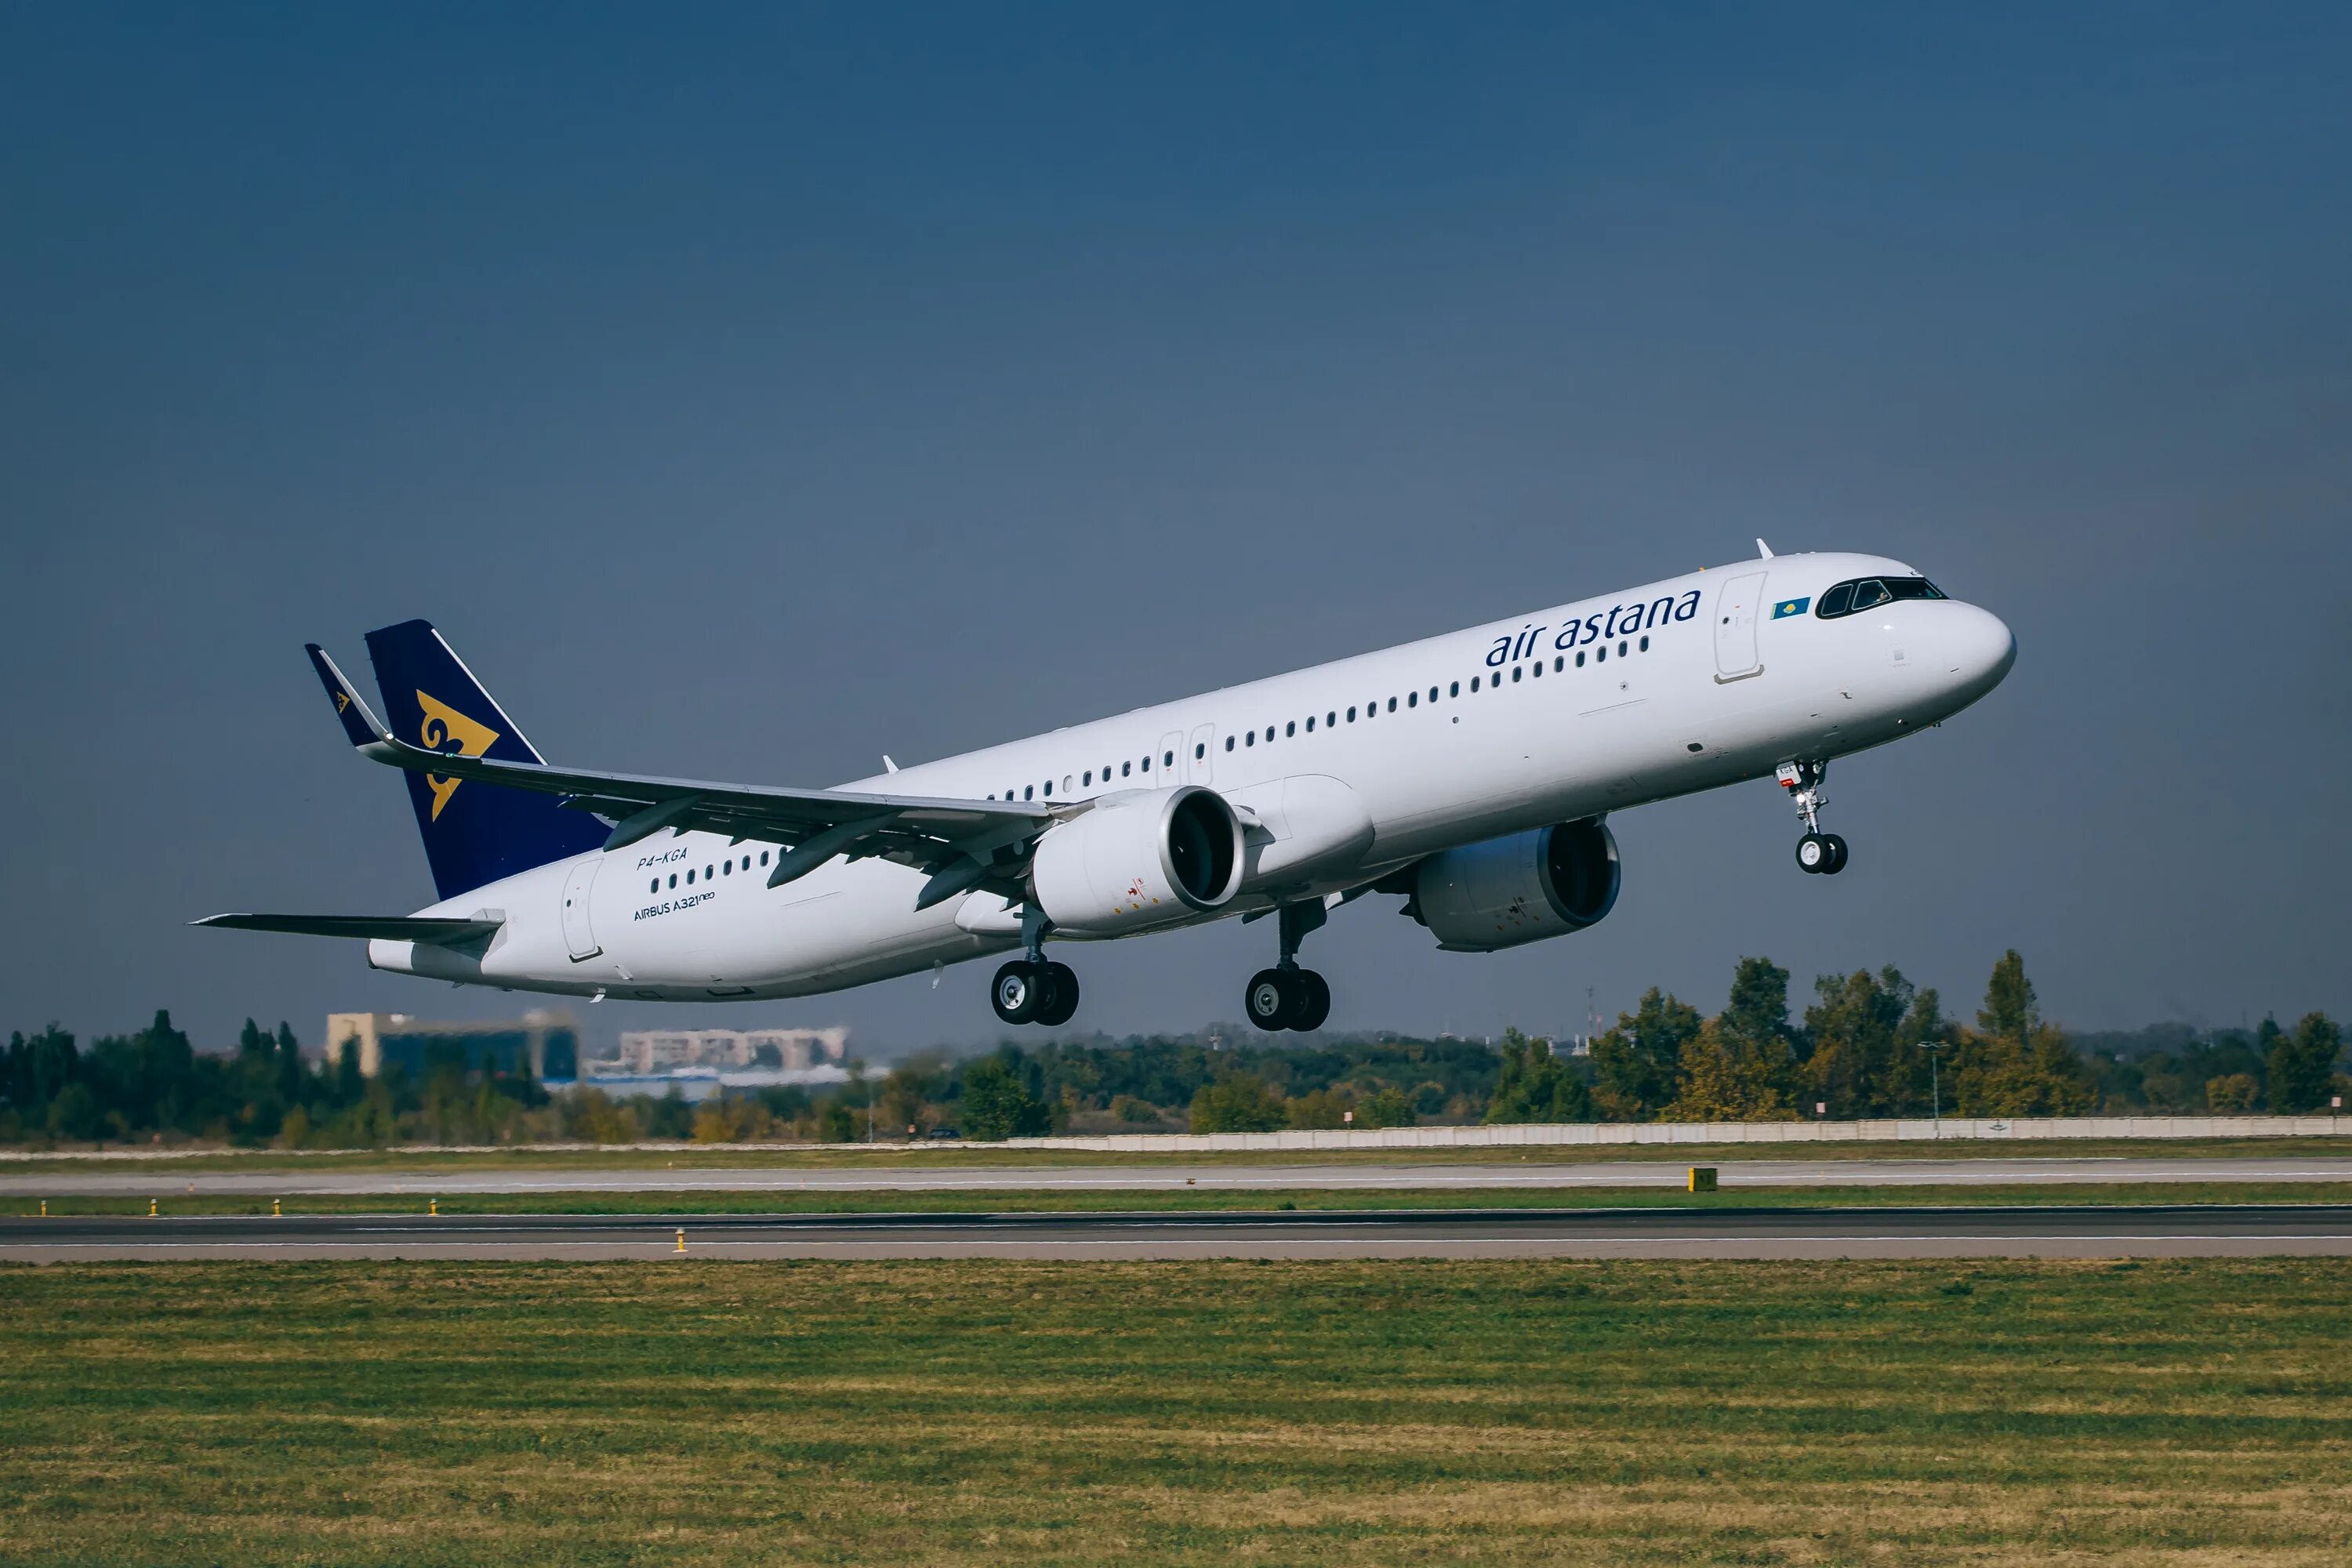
(474, 833)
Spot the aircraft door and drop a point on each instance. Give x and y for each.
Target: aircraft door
(1735, 607)
(1168, 761)
(1202, 759)
(578, 932)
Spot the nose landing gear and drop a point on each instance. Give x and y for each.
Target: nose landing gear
(1822, 853)
(1035, 990)
(1287, 996)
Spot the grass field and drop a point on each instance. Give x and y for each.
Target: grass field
(2187, 1412)
(1062, 1200)
(930, 1156)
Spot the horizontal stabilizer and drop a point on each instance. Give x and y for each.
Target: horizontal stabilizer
(384, 928)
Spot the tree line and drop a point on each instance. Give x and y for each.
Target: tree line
(1868, 1045)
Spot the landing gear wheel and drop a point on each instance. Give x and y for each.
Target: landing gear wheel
(1060, 1001)
(1272, 999)
(1837, 855)
(1814, 853)
(1017, 992)
(1315, 1003)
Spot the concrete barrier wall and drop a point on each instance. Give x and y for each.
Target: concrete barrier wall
(1587, 1134)
(1572, 1134)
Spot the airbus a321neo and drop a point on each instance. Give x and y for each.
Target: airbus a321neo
(1473, 773)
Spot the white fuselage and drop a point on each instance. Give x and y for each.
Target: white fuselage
(1350, 769)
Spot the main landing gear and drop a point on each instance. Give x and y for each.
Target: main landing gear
(1287, 996)
(1818, 852)
(1035, 990)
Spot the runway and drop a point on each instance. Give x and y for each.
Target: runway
(1160, 1177)
(2071, 1231)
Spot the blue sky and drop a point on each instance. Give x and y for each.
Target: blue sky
(750, 391)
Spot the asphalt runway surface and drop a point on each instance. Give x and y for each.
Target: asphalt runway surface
(1650, 1172)
(2072, 1231)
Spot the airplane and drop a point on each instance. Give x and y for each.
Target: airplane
(1473, 773)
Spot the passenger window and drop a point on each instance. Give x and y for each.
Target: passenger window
(1028, 792)
(1621, 650)
(1269, 734)
(1579, 659)
(672, 879)
(706, 873)
(1600, 654)
(1125, 768)
(1457, 689)
(1311, 724)
(763, 856)
(1412, 699)
(690, 878)
(1351, 715)
(1229, 746)
(1645, 644)
(1432, 694)
(1516, 673)
(657, 887)
(1330, 718)
(1088, 777)
(1292, 729)
(1473, 683)
(1049, 789)
(1251, 738)
(727, 868)
(1373, 709)
(1557, 664)
(1391, 704)
(1536, 670)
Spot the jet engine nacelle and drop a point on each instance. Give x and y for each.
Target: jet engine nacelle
(1139, 860)
(1483, 897)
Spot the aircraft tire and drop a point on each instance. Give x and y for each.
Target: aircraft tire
(1016, 993)
(1060, 1002)
(1813, 853)
(1314, 1001)
(1271, 999)
(1837, 855)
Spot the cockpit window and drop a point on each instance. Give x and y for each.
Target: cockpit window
(1864, 592)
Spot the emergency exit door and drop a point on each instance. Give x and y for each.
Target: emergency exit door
(578, 932)
(1737, 604)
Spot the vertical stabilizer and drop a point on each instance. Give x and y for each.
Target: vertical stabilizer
(474, 833)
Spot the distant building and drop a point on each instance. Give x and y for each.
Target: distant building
(649, 1052)
(540, 1046)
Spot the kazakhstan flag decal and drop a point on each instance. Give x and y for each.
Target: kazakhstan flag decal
(1787, 608)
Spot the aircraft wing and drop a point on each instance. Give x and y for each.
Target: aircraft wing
(388, 928)
(962, 841)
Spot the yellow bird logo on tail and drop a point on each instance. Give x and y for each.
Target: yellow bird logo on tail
(443, 724)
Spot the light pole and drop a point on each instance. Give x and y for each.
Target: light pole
(1936, 1081)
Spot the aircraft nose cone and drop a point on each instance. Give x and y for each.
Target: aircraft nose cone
(1981, 649)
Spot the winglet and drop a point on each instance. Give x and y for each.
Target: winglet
(360, 725)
